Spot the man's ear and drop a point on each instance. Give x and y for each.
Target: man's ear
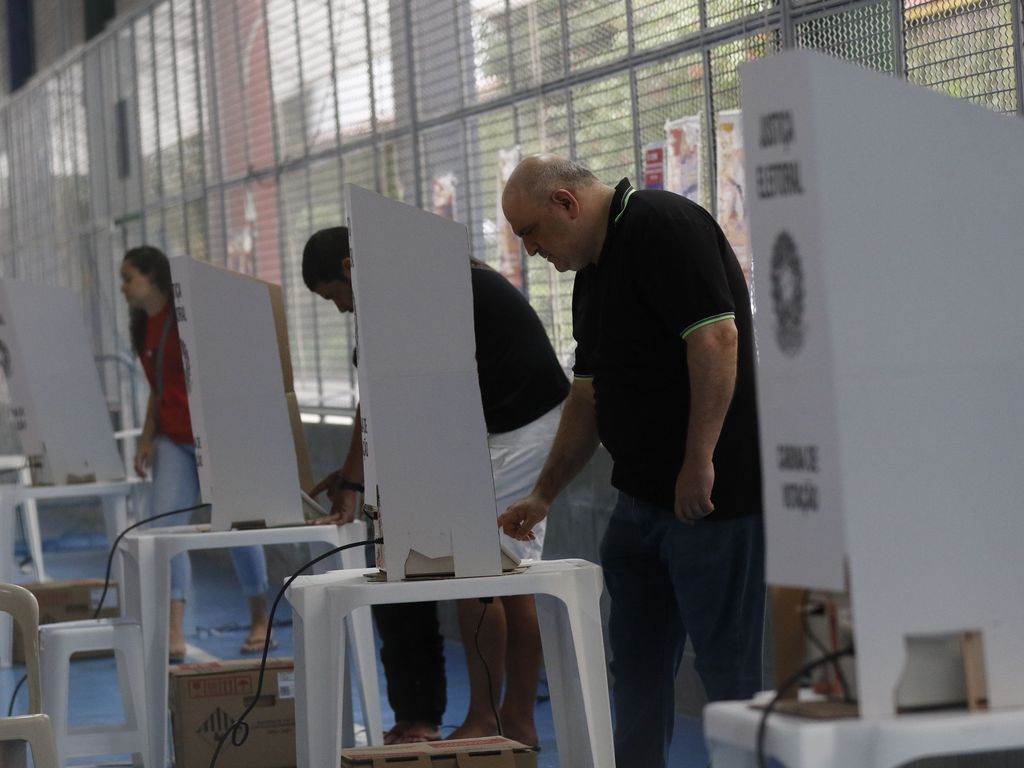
(566, 200)
(346, 268)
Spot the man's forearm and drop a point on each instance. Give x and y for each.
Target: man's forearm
(711, 359)
(574, 444)
(352, 469)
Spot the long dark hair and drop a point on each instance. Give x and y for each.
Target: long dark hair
(152, 263)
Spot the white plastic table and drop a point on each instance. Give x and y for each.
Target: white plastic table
(147, 590)
(568, 608)
(113, 495)
(730, 730)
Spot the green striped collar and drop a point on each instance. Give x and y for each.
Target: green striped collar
(625, 202)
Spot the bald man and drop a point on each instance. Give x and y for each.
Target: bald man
(664, 378)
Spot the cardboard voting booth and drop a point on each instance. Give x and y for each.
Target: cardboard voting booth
(238, 375)
(426, 463)
(886, 233)
(53, 387)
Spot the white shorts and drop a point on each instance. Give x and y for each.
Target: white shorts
(517, 458)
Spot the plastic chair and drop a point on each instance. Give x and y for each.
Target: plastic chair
(34, 728)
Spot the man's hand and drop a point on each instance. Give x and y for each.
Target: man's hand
(344, 501)
(518, 520)
(143, 457)
(693, 491)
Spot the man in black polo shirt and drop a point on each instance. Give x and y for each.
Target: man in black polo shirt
(664, 378)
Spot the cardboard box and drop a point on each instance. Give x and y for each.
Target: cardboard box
(489, 752)
(69, 601)
(206, 699)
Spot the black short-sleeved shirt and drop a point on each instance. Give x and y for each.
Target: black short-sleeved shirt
(520, 376)
(666, 270)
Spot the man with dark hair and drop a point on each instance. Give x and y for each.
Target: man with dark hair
(522, 386)
(327, 268)
(664, 378)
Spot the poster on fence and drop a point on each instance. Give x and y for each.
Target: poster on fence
(510, 259)
(654, 165)
(731, 211)
(682, 161)
(443, 195)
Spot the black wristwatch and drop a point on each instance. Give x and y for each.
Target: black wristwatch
(340, 483)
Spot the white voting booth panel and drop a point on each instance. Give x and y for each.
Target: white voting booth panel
(885, 222)
(60, 415)
(426, 463)
(236, 396)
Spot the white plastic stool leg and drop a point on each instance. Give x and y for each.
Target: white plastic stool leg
(570, 624)
(57, 644)
(34, 540)
(363, 655)
(115, 520)
(316, 647)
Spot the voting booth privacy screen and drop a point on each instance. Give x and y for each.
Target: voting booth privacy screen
(236, 372)
(53, 386)
(889, 329)
(426, 462)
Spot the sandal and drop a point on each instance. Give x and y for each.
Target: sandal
(254, 644)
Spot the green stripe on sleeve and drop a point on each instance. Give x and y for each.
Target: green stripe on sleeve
(581, 377)
(708, 321)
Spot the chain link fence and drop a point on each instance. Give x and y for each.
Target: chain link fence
(226, 129)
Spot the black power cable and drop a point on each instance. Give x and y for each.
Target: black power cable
(805, 611)
(762, 726)
(10, 707)
(487, 670)
(239, 730)
(121, 535)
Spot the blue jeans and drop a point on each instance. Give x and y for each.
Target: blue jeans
(666, 581)
(176, 486)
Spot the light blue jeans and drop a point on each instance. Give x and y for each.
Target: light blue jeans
(176, 486)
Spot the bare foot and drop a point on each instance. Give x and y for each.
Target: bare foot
(475, 729)
(410, 732)
(523, 732)
(527, 735)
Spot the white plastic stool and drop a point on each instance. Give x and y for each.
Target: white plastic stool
(57, 642)
(147, 584)
(115, 496)
(568, 610)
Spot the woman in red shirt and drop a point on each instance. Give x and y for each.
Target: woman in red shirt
(166, 444)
